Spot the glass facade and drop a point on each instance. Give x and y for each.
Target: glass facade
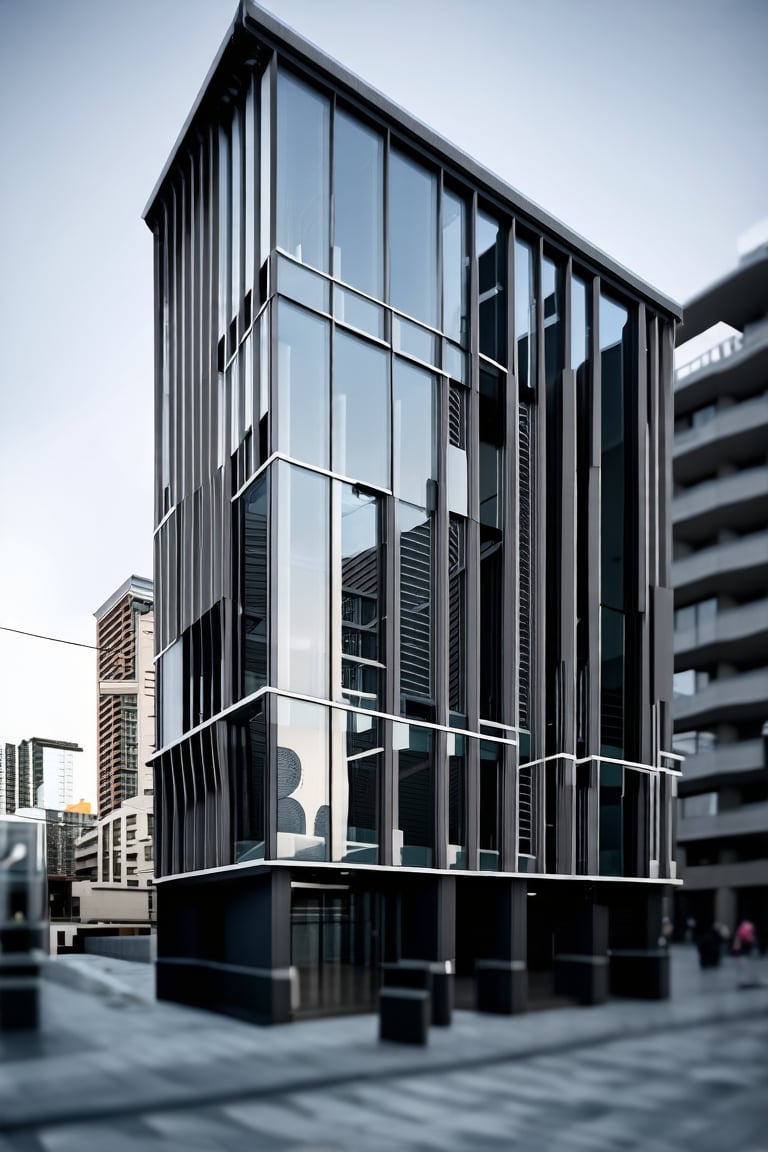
(421, 579)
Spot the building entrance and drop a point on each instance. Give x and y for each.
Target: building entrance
(336, 946)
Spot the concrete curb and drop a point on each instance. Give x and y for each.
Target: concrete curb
(79, 973)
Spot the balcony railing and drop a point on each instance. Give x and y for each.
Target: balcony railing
(714, 355)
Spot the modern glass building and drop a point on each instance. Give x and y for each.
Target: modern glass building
(720, 570)
(412, 563)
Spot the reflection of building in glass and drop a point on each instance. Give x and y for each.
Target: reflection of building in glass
(38, 773)
(412, 562)
(720, 526)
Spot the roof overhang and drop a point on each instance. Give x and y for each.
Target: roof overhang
(738, 298)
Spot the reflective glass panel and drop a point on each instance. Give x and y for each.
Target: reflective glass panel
(490, 806)
(457, 609)
(414, 820)
(414, 432)
(358, 751)
(302, 285)
(303, 172)
(349, 308)
(358, 252)
(614, 331)
(248, 751)
(492, 283)
(611, 822)
(361, 410)
(302, 385)
(413, 340)
(454, 268)
(361, 599)
(302, 785)
(457, 801)
(302, 581)
(413, 272)
(172, 697)
(611, 683)
(255, 568)
(525, 315)
(415, 528)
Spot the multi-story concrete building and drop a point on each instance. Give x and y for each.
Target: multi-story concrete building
(720, 523)
(413, 563)
(126, 738)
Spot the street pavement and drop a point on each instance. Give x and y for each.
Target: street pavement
(113, 1069)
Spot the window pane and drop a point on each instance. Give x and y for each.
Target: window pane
(614, 330)
(492, 282)
(413, 239)
(490, 806)
(525, 315)
(414, 419)
(358, 198)
(457, 801)
(414, 831)
(303, 181)
(302, 385)
(249, 756)
(579, 329)
(611, 683)
(302, 581)
(415, 527)
(457, 610)
(361, 410)
(454, 268)
(172, 698)
(255, 607)
(361, 600)
(358, 737)
(303, 823)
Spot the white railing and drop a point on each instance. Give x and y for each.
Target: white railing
(720, 351)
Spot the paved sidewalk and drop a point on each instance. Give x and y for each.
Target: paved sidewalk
(106, 1049)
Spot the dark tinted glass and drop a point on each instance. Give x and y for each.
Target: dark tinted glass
(255, 604)
(492, 284)
(454, 268)
(415, 824)
(360, 598)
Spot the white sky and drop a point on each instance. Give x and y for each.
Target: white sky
(640, 125)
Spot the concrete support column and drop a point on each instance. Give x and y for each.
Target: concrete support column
(725, 907)
(427, 942)
(501, 973)
(638, 951)
(243, 918)
(581, 946)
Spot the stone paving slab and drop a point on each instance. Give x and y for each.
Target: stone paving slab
(106, 1048)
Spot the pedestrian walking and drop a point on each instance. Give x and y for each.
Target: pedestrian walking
(743, 945)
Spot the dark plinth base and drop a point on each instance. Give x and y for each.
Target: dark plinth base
(582, 978)
(432, 976)
(640, 973)
(502, 986)
(404, 1015)
(19, 995)
(259, 995)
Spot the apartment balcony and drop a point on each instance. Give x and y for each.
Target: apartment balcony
(738, 501)
(725, 762)
(749, 820)
(736, 367)
(735, 633)
(744, 874)
(731, 698)
(739, 432)
(738, 566)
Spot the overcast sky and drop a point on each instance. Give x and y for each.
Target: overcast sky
(640, 125)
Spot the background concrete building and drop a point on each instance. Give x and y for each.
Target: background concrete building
(123, 856)
(412, 563)
(720, 522)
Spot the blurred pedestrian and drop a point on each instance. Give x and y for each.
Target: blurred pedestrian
(743, 944)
